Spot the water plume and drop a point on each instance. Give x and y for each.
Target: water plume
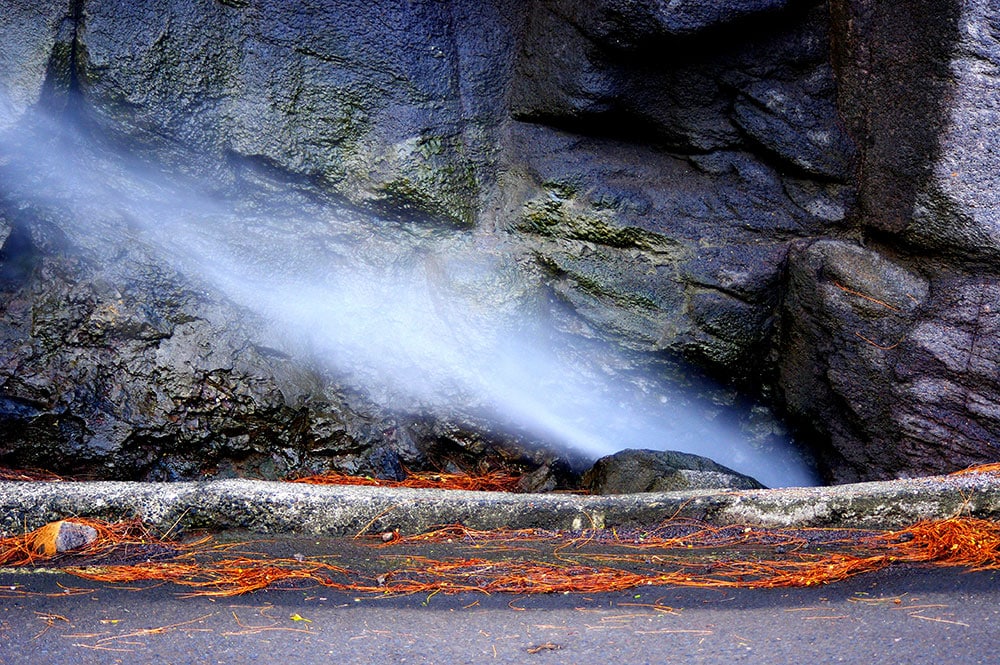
(415, 316)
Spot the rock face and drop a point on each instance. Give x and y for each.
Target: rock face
(634, 471)
(793, 197)
(666, 178)
(377, 102)
(115, 364)
(891, 348)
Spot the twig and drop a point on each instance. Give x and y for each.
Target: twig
(879, 346)
(374, 519)
(920, 616)
(866, 297)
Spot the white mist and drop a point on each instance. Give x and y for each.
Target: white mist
(412, 316)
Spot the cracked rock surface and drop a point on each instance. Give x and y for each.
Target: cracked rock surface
(795, 199)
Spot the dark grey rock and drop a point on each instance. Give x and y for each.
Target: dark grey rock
(631, 471)
(848, 310)
(908, 360)
(801, 127)
(377, 104)
(559, 74)
(398, 113)
(663, 268)
(888, 351)
(692, 267)
(541, 480)
(743, 185)
(73, 535)
(625, 24)
(117, 362)
(926, 178)
(29, 34)
(572, 71)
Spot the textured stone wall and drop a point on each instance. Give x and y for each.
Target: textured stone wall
(797, 198)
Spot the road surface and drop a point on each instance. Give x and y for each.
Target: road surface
(901, 615)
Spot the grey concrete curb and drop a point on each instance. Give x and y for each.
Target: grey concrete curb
(274, 507)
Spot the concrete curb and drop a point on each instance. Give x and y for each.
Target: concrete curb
(276, 508)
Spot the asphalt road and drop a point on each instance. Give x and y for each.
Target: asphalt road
(897, 616)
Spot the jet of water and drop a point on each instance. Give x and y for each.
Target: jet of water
(408, 312)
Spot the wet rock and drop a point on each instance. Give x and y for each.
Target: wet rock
(919, 164)
(577, 69)
(799, 126)
(631, 24)
(360, 101)
(692, 182)
(888, 350)
(542, 479)
(632, 471)
(955, 211)
(848, 311)
(164, 379)
(29, 34)
(907, 360)
(693, 267)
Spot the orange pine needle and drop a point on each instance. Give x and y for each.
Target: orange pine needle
(993, 467)
(678, 553)
(866, 297)
(494, 481)
(22, 550)
(28, 475)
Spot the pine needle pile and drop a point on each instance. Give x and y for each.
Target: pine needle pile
(681, 552)
(128, 538)
(993, 467)
(28, 475)
(495, 481)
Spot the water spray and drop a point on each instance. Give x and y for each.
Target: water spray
(430, 316)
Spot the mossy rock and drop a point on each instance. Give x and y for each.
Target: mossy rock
(424, 178)
(560, 214)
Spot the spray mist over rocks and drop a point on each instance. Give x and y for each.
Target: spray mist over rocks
(416, 317)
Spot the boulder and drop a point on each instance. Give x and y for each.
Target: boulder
(631, 471)
(889, 363)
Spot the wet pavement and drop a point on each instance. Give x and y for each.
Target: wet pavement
(899, 615)
(902, 614)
